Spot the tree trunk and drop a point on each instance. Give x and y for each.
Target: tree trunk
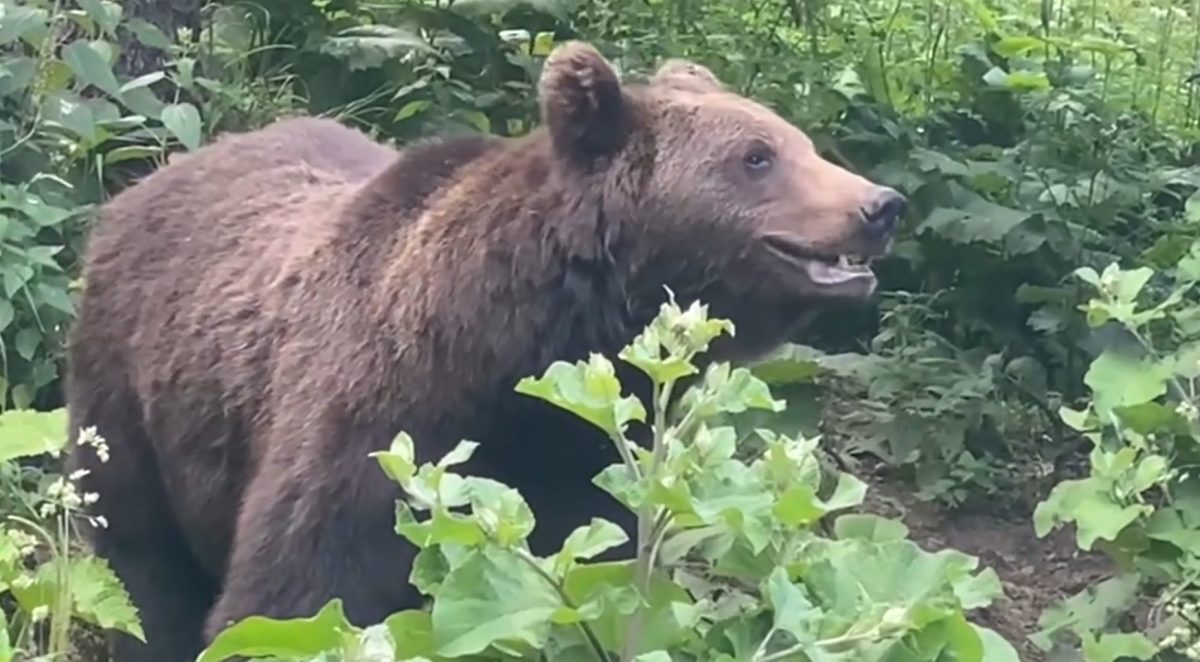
(166, 15)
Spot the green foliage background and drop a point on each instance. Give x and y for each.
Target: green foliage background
(1039, 141)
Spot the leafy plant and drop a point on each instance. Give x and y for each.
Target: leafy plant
(51, 583)
(1139, 502)
(731, 561)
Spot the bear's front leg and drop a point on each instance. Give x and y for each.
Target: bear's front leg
(315, 528)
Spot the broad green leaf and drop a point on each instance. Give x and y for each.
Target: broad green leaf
(588, 541)
(848, 493)
(1090, 610)
(869, 527)
(979, 221)
(1119, 380)
(1027, 81)
(665, 348)
(54, 296)
(90, 67)
(791, 610)
(1089, 505)
(798, 506)
(412, 108)
(501, 510)
(370, 46)
(1110, 647)
(588, 390)
(7, 654)
(129, 152)
(1011, 46)
(461, 452)
(148, 34)
(183, 120)
(99, 597)
(106, 14)
(898, 572)
(611, 585)
(27, 342)
(398, 462)
(259, 636)
(412, 632)
(732, 391)
(995, 647)
(492, 598)
(1126, 285)
(7, 313)
(27, 433)
(20, 20)
(144, 80)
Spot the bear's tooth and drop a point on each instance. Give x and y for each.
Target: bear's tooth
(843, 261)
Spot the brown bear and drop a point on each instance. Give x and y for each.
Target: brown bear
(261, 314)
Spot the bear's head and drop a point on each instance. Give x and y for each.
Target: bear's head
(713, 195)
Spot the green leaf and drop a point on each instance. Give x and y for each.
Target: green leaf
(731, 391)
(493, 597)
(130, 152)
(100, 598)
(144, 80)
(1110, 647)
(399, 461)
(90, 67)
(664, 349)
(27, 342)
(259, 636)
(412, 633)
(106, 14)
(978, 221)
(1090, 610)
(1126, 285)
(55, 296)
(27, 433)
(1119, 380)
(183, 121)
(588, 541)
(412, 108)
(848, 493)
(148, 34)
(611, 585)
(995, 647)
(1089, 504)
(898, 572)
(588, 390)
(1012, 46)
(791, 609)
(869, 527)
(370, 46)
(20, 20)
(7, 313)
(7, 654)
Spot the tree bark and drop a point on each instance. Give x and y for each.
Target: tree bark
(166, 15)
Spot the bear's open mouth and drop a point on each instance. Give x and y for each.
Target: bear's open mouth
(821, 267)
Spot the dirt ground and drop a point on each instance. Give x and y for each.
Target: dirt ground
(1035, 572)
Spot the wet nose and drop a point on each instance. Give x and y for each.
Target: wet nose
(883, 211)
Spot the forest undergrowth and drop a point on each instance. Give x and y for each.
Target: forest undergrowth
(998, 452)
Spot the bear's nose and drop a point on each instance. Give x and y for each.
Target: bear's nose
(884, 210)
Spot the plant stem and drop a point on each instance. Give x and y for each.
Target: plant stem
(588, 633)
(647, 534)
(824, 643)
(626, 456)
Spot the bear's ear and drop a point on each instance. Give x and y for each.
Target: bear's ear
(687, 75)
(582, 102)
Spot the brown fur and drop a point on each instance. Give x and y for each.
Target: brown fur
(262, 314)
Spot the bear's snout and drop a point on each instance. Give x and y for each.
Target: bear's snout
(883, 211)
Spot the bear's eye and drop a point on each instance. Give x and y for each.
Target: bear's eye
(759, 159)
